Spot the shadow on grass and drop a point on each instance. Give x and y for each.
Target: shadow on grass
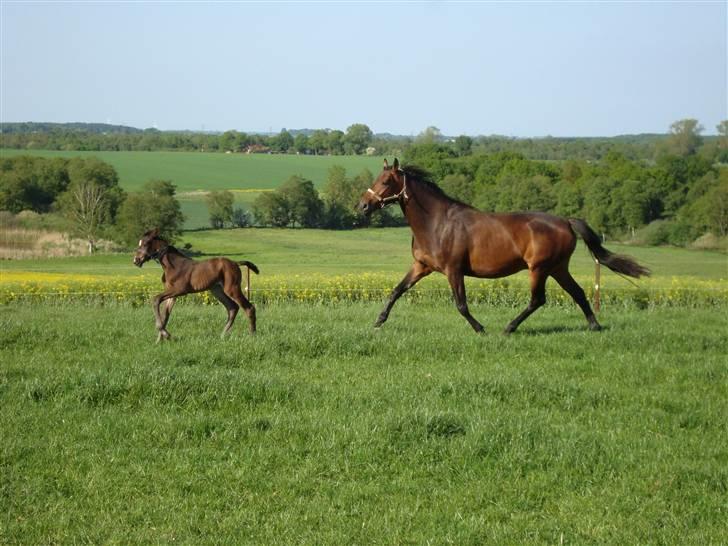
(545, 330)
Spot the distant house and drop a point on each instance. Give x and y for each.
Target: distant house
(371, 150)
(257, 149)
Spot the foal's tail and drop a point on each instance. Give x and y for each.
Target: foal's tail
(616, 262)
(251, 265)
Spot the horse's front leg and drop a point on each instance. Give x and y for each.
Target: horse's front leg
(416, 272)
(457, 283)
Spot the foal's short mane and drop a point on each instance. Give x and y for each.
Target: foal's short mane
(421, 175)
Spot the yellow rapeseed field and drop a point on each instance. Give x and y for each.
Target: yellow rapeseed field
(33, 286)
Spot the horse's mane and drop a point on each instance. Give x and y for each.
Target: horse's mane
(424, 176)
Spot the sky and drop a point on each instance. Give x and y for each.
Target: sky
(521, 69)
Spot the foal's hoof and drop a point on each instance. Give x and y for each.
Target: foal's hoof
(595, 327)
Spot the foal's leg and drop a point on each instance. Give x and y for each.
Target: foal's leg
(457, 283)
(538, 298)
(567, 282)
(230, 305)
(235, 293)
(162, 321)
(167, 311)
(416, 272)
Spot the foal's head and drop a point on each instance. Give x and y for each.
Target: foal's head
(150, 247)
(388, 188)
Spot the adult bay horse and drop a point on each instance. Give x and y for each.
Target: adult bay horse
(182, 276)
(456, 240)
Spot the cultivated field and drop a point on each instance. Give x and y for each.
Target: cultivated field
(321, 430)
(195, 173)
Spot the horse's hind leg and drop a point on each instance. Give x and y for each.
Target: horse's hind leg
(235, 293)
(230, 305)
(567, 282)
(538, 298)
(457, 283)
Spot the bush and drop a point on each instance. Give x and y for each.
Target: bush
(654, 234)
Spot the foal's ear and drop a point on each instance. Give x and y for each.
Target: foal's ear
(396, 164)
(386, 165)
(154, 233)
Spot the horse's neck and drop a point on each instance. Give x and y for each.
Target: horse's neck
(425, 209)
(173, 259)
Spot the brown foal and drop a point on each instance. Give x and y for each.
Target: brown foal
(182, 276)
(457, 240)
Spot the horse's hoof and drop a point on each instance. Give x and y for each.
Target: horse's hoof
(594, 327)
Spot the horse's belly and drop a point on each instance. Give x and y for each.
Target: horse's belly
(495, 270)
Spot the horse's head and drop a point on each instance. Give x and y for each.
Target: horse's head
(150, 247)
(389, 187)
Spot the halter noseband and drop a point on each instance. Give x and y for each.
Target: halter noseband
(384, 201)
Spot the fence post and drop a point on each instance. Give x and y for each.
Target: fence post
(597, 286)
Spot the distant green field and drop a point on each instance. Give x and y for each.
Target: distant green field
(192, 171)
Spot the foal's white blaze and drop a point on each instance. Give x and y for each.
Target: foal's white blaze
(140, 242)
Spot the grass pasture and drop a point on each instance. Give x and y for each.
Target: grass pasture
(320, 430)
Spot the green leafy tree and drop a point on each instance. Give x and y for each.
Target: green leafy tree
(463, 145)
(684, 137)
(283, 142)
(154, 207)
(241, 217)
(318, 141)
(220, 208)
(358, 137)
(300, 143)
(271, 209)
(335, 142)
(303, 202)
(722, 129)
(459, 187)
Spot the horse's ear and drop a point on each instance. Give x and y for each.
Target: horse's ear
(386, 165)
(154, 233)
(396, 164)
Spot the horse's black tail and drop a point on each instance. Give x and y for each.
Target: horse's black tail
(616, 262)
(251, 265)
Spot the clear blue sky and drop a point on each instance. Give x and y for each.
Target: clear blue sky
(521, 69)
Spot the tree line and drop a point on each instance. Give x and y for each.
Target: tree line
(675, 198)
(356, 140)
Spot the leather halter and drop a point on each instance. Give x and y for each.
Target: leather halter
(159, 254)
(384, 201)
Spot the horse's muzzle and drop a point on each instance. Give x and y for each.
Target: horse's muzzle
(365, 208)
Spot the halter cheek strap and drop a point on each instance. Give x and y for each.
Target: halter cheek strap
(384, 201)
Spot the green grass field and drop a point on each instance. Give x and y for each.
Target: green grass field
(282, 251)
(193, 171)
(320, 430)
